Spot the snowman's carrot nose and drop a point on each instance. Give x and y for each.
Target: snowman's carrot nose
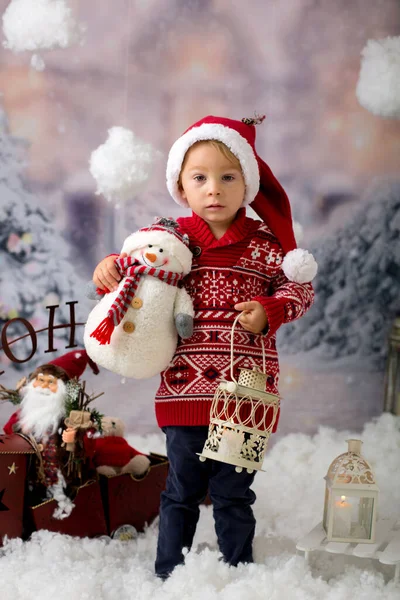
(151, 257)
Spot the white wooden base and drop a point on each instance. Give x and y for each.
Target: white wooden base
(386, 548)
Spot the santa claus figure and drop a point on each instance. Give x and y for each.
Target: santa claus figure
(41, 413)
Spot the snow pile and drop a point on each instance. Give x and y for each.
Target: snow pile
(289, 503)
(378, 87)
(122, 165)
(357, 287)
(40, 25)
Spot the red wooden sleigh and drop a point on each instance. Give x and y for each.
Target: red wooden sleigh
(101, 506)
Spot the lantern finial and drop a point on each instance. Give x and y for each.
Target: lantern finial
(354, 446)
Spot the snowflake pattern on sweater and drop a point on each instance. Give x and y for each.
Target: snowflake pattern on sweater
(245, 264)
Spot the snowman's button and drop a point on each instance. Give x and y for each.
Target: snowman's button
(137, 303)
(129, 327)
(196, 251)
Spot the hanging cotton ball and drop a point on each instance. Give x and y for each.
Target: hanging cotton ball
(39, 25)
(378, 87)
(121, 166)
(300, 266)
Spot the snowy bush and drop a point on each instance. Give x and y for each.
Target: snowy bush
(35, 268)
(357, 289)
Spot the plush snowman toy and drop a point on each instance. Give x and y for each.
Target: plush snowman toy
(134, 330)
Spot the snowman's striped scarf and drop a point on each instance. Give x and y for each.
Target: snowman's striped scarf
(131, 270)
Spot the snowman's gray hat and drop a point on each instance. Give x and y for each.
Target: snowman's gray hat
(163, 232)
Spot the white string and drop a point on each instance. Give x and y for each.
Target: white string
(127, 61)
(232, 336)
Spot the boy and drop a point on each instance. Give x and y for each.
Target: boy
(239, 264)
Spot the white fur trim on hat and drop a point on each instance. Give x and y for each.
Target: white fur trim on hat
(231, 138)
(300, 266)
(169, 241)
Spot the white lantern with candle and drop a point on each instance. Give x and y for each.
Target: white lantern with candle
(351, 498)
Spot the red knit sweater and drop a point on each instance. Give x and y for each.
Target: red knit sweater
(243, 265)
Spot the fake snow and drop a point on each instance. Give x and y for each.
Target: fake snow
(290, 495)
(378, 87)
(39, 25)
(122, 165)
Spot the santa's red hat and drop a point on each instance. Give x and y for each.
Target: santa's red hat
(263, 192)
(73, 363)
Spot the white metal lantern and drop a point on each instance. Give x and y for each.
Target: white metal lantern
(351, 498)
(242, 418)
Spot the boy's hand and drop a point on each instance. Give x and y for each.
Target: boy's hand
(253, 318)
(106, 275)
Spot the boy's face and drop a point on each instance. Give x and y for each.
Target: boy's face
(213, 187)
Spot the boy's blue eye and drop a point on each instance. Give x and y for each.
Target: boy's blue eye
(225, 177)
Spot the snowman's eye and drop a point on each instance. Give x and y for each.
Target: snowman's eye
(150, 245)
(161, 250)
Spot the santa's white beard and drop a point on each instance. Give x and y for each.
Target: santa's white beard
(42, 410)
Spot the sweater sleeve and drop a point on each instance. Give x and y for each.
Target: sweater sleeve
(289, 301)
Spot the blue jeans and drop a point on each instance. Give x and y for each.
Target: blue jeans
(188, 481)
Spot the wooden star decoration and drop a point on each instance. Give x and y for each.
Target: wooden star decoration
(3, 506)
(12, 469)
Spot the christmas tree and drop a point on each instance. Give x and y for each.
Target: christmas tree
(357, 289)
(34, 268)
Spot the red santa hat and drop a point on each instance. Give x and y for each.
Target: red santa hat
(263, 192)
(73, 363)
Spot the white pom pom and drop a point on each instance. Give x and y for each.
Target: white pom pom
(46, 24)
(231, 386)
(300, 266)
(121, 166)
(378, 87)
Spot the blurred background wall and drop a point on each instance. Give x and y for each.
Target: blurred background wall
(157, 66)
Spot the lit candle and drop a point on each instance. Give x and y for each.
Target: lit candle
(342, 518)
(231, 443)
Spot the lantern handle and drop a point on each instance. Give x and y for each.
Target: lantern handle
(232, 335)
